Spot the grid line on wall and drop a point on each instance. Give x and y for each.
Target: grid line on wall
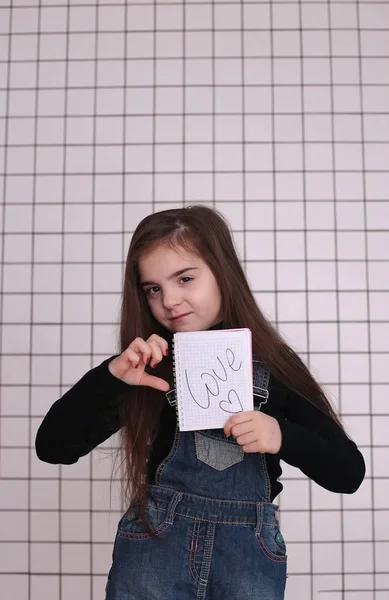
(242, 206)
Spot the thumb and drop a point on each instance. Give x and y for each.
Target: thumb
(155, 382)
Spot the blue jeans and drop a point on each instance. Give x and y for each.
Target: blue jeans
(239, 540)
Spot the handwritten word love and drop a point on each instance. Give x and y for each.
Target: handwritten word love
(212, 388)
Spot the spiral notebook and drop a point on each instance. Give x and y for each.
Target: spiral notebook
(213, 377)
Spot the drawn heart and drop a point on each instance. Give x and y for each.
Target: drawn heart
(233, 404)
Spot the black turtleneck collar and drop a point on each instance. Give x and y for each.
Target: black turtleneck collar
(217, 326)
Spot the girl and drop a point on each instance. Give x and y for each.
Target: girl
(201, 522)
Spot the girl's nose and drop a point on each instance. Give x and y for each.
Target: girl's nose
(170, 300)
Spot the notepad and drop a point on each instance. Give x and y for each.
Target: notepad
(213, 377)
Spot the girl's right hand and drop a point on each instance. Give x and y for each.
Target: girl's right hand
(130, 365)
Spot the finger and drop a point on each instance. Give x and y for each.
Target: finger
(228, 426)
(242, 428)
(141, 347)
(156, 353)
(247, 438)
(133, 357)
(236, 419)
(154, 382)
(162, 343)
(250, 448)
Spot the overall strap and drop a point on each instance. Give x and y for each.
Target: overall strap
(260, 383)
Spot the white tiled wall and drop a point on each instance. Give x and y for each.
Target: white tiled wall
(284, 111)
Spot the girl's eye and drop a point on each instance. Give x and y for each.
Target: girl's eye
(151, 291)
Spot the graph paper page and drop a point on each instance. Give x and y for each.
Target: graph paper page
(213, 371)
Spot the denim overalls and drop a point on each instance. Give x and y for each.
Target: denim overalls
(217, 534)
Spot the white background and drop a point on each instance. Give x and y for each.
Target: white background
(284, 111)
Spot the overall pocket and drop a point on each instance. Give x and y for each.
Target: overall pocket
(132, 527)
(272, 542)
(216, 451)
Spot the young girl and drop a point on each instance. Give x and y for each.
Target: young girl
(201, 522)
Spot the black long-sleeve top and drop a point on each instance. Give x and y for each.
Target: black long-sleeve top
(86, 415)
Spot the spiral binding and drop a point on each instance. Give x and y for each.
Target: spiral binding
(179, 407)
(172, 396)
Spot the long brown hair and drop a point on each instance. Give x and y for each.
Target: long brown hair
(204, 231)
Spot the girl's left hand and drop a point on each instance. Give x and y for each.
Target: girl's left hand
(255, 431)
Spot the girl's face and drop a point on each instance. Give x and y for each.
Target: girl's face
(181, 289)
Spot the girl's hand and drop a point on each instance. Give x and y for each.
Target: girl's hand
(255, 431)
(130, 365)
